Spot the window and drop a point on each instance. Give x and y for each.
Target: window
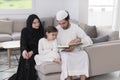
(16, 6)
(100, 12)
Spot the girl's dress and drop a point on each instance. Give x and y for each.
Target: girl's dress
(47, 51)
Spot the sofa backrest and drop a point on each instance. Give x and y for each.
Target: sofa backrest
(18, 24)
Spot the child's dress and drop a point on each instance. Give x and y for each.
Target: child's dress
(47, 51)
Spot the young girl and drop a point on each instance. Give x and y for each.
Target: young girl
(47, 47)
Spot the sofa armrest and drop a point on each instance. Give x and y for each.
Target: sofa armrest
(113, 35)
(104, 57)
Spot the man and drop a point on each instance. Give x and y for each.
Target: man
(74, 59)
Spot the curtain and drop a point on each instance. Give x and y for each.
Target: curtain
(116, 16)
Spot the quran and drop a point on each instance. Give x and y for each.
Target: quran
(67, 46)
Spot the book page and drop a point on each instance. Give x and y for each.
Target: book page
(62, 46)
(67, 46)
(75, 44)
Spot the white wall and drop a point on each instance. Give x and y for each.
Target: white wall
(49, 7)
(24, 15)
(83, 11)
(43, 8)
(78, 9)
(72, 6)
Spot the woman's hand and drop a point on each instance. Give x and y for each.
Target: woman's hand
(25, 54)
(30, 54)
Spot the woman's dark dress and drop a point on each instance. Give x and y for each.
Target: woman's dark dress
(29, 41)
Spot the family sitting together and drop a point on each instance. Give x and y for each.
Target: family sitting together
(39, 45)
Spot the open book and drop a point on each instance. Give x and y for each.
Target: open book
(67, 46)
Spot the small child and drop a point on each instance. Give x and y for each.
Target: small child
(47, 47)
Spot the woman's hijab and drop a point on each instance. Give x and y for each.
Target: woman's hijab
(35, 33)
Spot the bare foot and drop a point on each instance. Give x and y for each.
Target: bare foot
(69, 78)
(82, 77)
(57, 60)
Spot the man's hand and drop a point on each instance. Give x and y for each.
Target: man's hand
(72, 47)
(75, 41)
(69, 49)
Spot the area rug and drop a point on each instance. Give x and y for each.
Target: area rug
(5, 71)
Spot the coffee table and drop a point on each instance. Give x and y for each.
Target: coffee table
(10, 45)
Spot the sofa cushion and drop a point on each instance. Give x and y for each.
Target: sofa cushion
(18, 24)
(16, 35)
(100, 39)
(89, 30)
(5, 37)
(6, 26)
(48, 67)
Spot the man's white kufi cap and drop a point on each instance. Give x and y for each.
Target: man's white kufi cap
(61, 15)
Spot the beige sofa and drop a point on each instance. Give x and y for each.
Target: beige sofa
(10, 29)
(103, 58)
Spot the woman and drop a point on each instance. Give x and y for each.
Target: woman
(30, 36)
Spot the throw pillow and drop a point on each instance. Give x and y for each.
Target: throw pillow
(43, 23)
(100, 39)
(91, 31)
(6, 26)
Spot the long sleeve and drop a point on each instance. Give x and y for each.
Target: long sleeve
(35, 50)
(55, 49)
(41, 50)
(23, 41)
(45, 47)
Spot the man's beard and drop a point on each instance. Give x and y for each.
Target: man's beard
(65, 28)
